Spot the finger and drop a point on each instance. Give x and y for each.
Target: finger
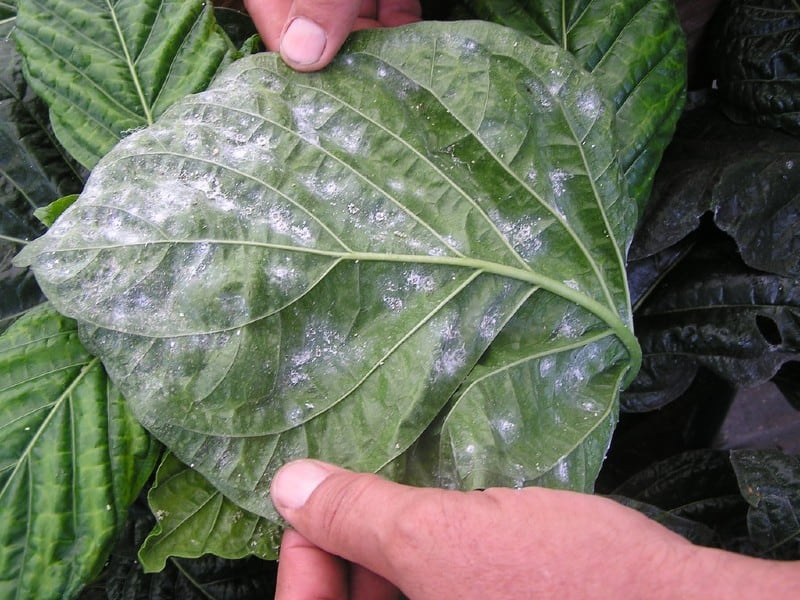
(269, 17)
(306, 572)
(393, 13)
(315, 31)
(349, 514)
(366, 585)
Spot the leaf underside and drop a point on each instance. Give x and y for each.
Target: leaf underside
(349, 264)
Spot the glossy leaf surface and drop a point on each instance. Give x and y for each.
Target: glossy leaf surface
(290, 265)
(754, 48)
(770, 482)
(636, 48)
(72, 461)
(106, 69)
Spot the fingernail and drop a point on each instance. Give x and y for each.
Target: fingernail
(295, 482)
(303, 41)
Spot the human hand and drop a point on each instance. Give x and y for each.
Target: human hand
(358, 536)
(309, 33)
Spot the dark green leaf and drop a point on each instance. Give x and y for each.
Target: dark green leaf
(770, 482)
(739, 323)
(72, 460)
(194, 519)
(238, 26)
(748, 178)
(636, 48)
(8, 17)
(755, 59)
(106, 69)
(33, 173)
(695, 532)
(694, 493)
(310, 265)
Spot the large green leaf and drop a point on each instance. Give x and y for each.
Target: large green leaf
(109, 68)
(72, 461)
(34, 171)
(637, 50)
(195, 519)
(292, 264)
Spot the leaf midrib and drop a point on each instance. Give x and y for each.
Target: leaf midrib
(130, 64)
(530, 276)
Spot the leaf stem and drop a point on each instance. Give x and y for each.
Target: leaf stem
(131, 65)
(13, 240)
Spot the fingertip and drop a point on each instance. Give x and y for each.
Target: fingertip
(294, 483)
(303, 42)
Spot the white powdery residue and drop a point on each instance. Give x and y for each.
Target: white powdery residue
(294, 415)
(393, 303)
(453, 353)
(303, 119)
(283, 277)
(557, 179)
(572, 284)
(589, 103)
(488, 326)
(470, 47)
(591, 406)
(567, 330)
(546, 365)
(531, 175)
(350, 139)
(506, 429)
(541, 95)
(382, 71)
(450, 361)
(561, 471)
(420, 282)
(396, 185)
(555, 86)
(279, 219)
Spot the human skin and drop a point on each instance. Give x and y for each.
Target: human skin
(309, 33)
(361, 537)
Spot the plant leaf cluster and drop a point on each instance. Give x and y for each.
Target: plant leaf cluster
(412, 263)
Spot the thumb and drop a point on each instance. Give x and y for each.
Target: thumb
(357, 516)
(315, 30)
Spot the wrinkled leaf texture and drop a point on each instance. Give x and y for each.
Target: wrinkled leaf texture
(108, 68)
(194, 519)
(312, 265)
(34, 171)
(637, 50)
(770, 482)
(728, 303)
(715, 312)
(754, 50)
(73, 459)
(746, 177)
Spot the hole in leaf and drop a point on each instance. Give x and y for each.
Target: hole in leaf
(769, 329)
